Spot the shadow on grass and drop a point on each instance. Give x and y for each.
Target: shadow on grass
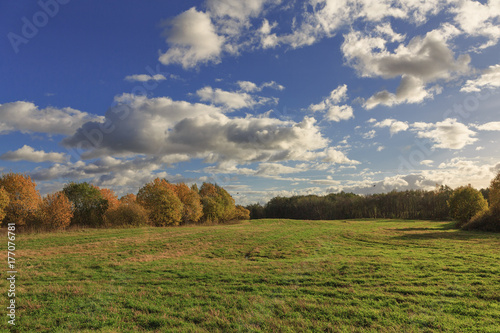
(447, 231)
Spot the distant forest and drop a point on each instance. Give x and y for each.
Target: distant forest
(463, 204)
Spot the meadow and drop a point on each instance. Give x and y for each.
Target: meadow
(259, 276)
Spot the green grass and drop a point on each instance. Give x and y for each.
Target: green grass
(260, 276)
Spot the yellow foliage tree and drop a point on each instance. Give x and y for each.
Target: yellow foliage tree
(163, 206)
(193, 210)
(4, 202)
(241, 213)
(55, 211)
(24, 199)
(218, 205)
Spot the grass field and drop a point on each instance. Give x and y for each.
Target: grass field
(260, 276)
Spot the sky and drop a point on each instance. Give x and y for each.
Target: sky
(263, 97)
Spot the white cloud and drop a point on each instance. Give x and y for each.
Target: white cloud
(489, 79)
(145, 77)
(230, 100)
(337, 157)
(192, 39)
(447, 134)
(420, 62)
(394, 125)
(248, 86)
(27, 153)
(491, 126)
(479, 19)
(26, 117)
(427, 162)
(162, 127)
(369, 135)
(334, 112)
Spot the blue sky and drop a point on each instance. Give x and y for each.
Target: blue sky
(264, 97)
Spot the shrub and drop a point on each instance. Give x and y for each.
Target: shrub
(163, 206)
(126, 214)
(24, 199)
(55, 212)
(488, 220)
(241, 213)
(464, 203)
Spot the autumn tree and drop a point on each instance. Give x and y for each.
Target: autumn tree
(464, 203)
(241, 213)
(494, 193)
(87, 204)
(128, 198)
(159, 199)
(218, 205)
(110, 196)
(55, 211)
(193, 210)
(24, 199)
(4, 202)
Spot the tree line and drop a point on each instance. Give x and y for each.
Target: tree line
(468, 206)
(157, 203)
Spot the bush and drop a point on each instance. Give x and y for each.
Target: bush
(127, 214)
(465, 202)
(55, 212)
(241, 213)
(218, 205)
(163, 206)
(488, 220)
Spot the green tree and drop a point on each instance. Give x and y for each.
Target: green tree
(87, 204)
(163, 206)
(464, 203)
(218, 205)
(4, 202)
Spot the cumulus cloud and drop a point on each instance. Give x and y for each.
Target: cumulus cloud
(162, 127)
(145, 77)
(192, 39)
(329, 105)
(26, 117)
(489, 79)
(228, 99)
(27, 153)
(420, 62)
(394, 125)
(447, 134)
(248, 86)
(479, 19)
(491, 126)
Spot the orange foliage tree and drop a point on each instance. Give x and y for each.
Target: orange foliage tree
(24, 199)
(110, 196)
(193, 210)
(4, 202)
(159, 199)
(241, 213)
(55, 211)
(128, 199)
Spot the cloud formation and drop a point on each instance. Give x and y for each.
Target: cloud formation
(145, 77)
(489, 79)
(394, 125)
(192, 39)
(27, 153)
(26, 117)
(330, 107)
(447, 134)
